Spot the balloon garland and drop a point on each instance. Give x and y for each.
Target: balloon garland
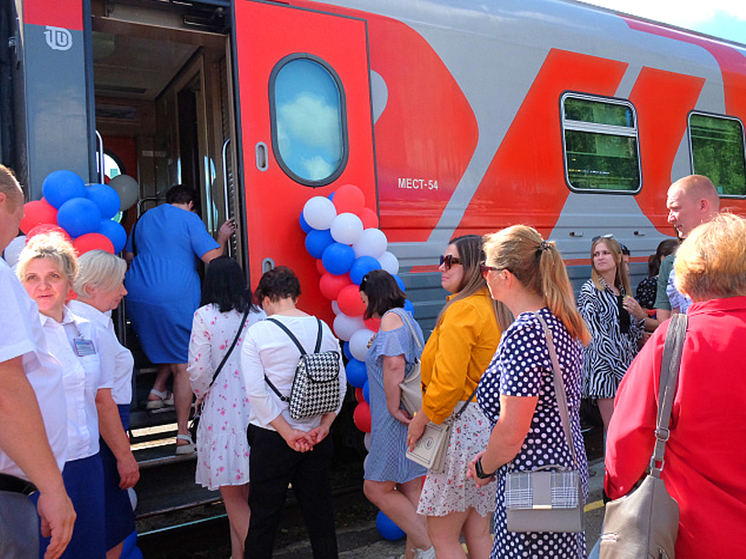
(82, 214)
(343, 235)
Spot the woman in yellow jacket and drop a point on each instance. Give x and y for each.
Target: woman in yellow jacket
(458, 351)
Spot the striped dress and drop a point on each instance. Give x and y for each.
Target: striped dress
(610, 352)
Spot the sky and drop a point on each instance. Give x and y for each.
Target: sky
(721, 18)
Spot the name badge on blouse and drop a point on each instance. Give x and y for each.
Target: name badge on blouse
(84, 348)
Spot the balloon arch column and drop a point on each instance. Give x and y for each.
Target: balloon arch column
(342, 234)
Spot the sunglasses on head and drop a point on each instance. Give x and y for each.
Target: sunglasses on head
(624, 248)
(449, 260)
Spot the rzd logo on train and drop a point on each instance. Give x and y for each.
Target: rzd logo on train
(58, 38)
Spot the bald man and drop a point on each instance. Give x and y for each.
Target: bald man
(33, 439)
(691, 201)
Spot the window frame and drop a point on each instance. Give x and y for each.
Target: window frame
(343, 117)
(691, 145)
(596, 128)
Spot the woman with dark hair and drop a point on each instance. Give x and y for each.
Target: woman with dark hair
(280, 444)
(163, 293)
(646, 290)
(222, 448)
(456, 355)
(392, 482)
(614, 320)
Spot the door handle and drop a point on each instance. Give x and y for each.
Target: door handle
(262, 162)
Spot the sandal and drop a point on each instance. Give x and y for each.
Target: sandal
(188, 448)
(164, 398)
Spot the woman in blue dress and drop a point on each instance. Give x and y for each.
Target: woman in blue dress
(163, 287)
(517, 391)
(392, 482)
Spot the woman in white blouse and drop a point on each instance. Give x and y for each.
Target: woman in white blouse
(99, 286)
(47, 267)
(285, 450)
(222, 448)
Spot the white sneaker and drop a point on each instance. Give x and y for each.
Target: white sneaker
(424, 553)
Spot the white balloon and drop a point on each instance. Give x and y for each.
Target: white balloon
(359, 343)
(335, 307)
(319, 212)
(345, 326)
(128, 190)
(366, 441)
(133, 497)
(13, 250)
(389, 262)
(371, 243)
(346, 228)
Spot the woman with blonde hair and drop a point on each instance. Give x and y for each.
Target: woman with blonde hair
(704, 457)
(99, 287)
(47, 268)
(614, 320)
(455, 357)
(517, 392)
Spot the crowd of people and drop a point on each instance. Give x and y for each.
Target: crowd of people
(506, 366)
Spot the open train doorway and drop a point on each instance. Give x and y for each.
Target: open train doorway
(163, 116)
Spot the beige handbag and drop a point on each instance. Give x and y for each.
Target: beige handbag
(411, 386)
(645, 522)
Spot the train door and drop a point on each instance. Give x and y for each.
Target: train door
(306, 126)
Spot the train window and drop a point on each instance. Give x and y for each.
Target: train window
(717, 146)
(601, 145)
(309, 133)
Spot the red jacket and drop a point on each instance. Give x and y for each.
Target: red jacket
(705, 459)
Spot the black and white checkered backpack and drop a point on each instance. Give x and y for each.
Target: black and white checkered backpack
(315, 388)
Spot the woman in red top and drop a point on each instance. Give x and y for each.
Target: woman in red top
(705, 457)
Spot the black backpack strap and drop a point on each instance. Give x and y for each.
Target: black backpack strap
(274, 389)
(290, 334)
(318, 337)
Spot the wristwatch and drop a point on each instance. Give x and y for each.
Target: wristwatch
(480, 471)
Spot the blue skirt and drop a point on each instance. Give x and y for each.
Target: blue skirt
(120, 518)
(84, 482)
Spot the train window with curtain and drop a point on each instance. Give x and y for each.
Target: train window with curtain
(600, 143)
(309, 131)
(717, 148)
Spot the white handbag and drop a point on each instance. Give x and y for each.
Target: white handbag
(411, 386)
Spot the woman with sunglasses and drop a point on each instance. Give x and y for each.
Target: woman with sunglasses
(456, 355)
(610, 313)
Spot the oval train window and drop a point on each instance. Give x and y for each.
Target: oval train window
(309, 133)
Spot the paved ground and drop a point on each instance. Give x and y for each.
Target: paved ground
(363, 541)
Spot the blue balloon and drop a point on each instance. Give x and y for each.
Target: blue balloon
(61, 186)
(362, 266)
(387, 528)
(304, 224)
(331, 196)
(347, 352)
(366, 391)
(400, 283)
(79, 216)
(408, 306)
(106, 198)
(317, 241)
(129, 544)
(338, 258)
(357, 374)
(115, 232)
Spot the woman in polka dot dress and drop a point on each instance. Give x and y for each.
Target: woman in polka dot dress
(517, 393)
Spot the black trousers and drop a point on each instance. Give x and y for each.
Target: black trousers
(272, 467)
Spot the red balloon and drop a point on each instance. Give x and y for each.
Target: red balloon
(349, 300)
(93, 241)
(369, 218)
(361, 417)
(359, 395)
(373, 324)
(37, 212)
(349, 198)
(320, 266)
(330, 285)
(44, 228)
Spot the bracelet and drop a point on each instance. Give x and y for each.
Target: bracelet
(480, 472)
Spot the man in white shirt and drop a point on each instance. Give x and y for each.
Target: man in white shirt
(25, 432)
